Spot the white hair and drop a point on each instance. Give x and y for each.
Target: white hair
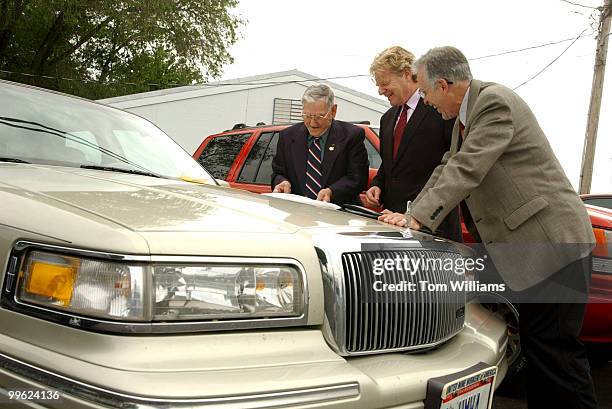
(319, 92)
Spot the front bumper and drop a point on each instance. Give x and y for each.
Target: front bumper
(244, 371)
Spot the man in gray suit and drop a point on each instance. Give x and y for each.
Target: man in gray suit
(517, 200)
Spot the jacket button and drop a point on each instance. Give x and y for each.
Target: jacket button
(478, 220)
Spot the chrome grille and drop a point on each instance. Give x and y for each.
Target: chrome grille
(398, 320)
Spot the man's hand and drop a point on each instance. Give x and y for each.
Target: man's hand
(414, 224)
(372, 196)
(282, 187)
(325, 195)
(399, 219)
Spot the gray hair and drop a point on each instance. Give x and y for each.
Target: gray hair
(443, 62)
(318, 92)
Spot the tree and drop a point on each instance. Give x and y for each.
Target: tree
(103, 48)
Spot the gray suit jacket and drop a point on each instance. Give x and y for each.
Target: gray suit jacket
(524, 208)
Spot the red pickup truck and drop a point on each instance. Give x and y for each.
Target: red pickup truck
(243, 158)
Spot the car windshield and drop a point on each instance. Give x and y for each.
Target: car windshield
(47, 128)
(599, 201)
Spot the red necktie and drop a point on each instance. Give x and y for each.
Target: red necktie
(399, 129)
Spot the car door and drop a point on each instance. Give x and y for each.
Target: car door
(219, 154)
(256, 172)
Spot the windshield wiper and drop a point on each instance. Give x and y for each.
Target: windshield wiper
(122, 170)
(14, 160)
(360, 211)
(373, 214)
(13, 122)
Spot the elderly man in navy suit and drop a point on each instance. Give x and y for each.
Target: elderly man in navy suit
(321, 158)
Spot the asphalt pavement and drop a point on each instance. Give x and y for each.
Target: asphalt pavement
(511, 394)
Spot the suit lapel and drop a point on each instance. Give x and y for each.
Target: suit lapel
(299, 150)
(331, 152)
(457, 140)
(456, 137)
(413, 123)
(475, 86)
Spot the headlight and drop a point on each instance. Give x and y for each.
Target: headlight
(159, 292)
(83, 286)
(602, 253)
(227, 291)
(603, 247)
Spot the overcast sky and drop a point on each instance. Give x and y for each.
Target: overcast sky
(338, 38)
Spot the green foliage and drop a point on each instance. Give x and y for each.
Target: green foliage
(115, 47)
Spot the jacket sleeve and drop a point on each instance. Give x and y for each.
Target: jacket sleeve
(490, 132)
(279, 168)
(347, 188)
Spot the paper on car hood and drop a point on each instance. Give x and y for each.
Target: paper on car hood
(143, 203)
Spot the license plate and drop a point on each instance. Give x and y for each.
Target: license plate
(468, 389)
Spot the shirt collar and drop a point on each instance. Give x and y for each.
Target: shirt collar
(323, 137)
(413, 101)
(463, 107)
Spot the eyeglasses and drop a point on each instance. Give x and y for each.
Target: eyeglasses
(318, 117)
(423, 94)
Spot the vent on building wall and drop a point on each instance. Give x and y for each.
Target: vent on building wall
(287, 111)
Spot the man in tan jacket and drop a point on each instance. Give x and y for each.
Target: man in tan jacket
(517, 200)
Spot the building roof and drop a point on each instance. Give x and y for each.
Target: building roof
(233, 85)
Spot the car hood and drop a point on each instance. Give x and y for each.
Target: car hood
(148, 204)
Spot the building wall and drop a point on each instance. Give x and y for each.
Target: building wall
(188, 121)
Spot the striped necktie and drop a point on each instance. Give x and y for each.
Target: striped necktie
(313, 169)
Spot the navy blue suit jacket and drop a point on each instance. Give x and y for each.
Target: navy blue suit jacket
(345, 163)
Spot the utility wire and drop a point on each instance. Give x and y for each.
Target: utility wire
(550, 63)
(579, 5)
(218, 84)
(530, 48)
(230, 83)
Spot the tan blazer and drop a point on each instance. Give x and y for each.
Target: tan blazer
(524, 208)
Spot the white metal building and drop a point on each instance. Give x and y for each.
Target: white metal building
(189, 114)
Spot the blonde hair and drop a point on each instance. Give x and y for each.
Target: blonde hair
(395, 59)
